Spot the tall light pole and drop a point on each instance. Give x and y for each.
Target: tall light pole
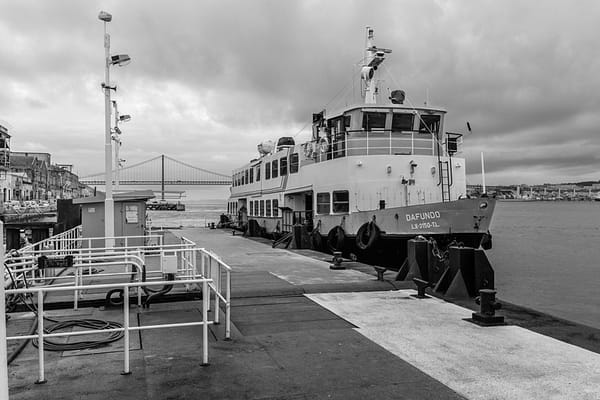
(109, 205)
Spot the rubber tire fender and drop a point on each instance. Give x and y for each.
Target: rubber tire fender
(316, 240)
(368, 230)
(336, 238)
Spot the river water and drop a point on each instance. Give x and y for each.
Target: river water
(546, 254)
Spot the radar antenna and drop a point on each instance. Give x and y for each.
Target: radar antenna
(374, 56)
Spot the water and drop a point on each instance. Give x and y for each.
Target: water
(545, 254)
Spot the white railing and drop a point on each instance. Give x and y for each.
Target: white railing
(190, 265)
(126, 329)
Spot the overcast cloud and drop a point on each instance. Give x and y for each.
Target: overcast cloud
(211, 79)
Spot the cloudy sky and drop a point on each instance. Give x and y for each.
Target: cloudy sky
(211, 79)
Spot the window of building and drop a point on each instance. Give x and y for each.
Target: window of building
(268, 171)
(294, 163)
(373, 120)
(283, 166)
(275, 207)
(323, 203)
(429, 124)
(262, 208)
(403, 122)
(274, 170)
(258, 173)
(341, 202)
(268, 208)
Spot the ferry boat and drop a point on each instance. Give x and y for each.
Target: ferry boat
(373, 176)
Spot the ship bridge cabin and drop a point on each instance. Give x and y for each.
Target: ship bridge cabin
(376, 129)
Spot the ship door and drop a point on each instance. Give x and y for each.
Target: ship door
(308, 207)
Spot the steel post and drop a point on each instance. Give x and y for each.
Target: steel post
(3, 351)
(109, 206)
(40, 331)
(205, 300)
(126, 370)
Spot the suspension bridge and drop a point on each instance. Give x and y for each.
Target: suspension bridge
(161, 170)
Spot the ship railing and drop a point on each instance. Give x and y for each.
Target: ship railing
(377, 142)
(41, 291)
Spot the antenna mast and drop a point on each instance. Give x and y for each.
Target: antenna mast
(373, 57)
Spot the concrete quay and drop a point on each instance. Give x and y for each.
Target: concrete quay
(303, 331)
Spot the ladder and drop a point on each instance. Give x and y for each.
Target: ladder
(445, 179)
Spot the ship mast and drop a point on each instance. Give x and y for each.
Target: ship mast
(373, 57)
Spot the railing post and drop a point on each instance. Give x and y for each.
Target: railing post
(205, 300)
(76, 292)
(3, 351)
(390, 143)
(412, 142)
(126, 370)
(40, 331)
(228, 306)
(217, 283)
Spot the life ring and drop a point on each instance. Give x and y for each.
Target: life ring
(367, 235)
(308, 149)
(336, 239)
(323, 145)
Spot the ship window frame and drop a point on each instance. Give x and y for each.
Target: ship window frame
(262, 208)
(294, 163)
(267, 208)
(368, 126)
(423, 123)
(246, 176)
(283, 166)
(274, 169)
(258, 173)
(336, 203)
(251, 170)
(250, 208)
(275, 208)
(398, 115)
(323, 207)
(268, 171)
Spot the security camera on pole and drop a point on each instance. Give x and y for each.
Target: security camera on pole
(120, 60)
(117, 138)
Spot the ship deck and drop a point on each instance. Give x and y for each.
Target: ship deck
(301, 330)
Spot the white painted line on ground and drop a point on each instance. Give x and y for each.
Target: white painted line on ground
(504, 362)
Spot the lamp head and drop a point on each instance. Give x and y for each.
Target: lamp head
(104, 16)
(120, 59)
(124, 118)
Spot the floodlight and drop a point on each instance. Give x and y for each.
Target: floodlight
(104, 16)
(120, 59)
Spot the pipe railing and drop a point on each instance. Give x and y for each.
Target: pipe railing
(126, 329)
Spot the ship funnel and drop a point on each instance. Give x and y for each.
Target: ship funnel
(397, 96)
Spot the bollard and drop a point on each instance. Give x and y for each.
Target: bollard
(337, 261)
(487, 309)
(421, 286)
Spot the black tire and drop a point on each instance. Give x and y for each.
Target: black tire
(336, 239)
(367, 235)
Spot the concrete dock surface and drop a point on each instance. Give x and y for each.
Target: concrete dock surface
(303, 331)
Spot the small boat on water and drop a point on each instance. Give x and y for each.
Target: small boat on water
(373, 176)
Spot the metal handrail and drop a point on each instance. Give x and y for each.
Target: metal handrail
(40, 291)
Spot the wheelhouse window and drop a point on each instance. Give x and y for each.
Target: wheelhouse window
(341, 201)
(268, 171)
(268, 207)
(246, 177)
(373, 120)
(275, 207)
(294, 163)
(429, 124)
(283, 166)
(251, 175)
(323, 203)
(258, 173)
(402, 122)
(262, 208)
(274, 169)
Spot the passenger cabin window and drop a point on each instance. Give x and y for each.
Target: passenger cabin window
(341, 203)
(246, 177)
(373, 120)
(429, 124)
(268, 171)
(275, 208)
(323, 205)
(283, 166)
(294, 163)
(262, 208)
(274, 170)
(268, 204)
(251, 209)
(256, 207)
(403, 122)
